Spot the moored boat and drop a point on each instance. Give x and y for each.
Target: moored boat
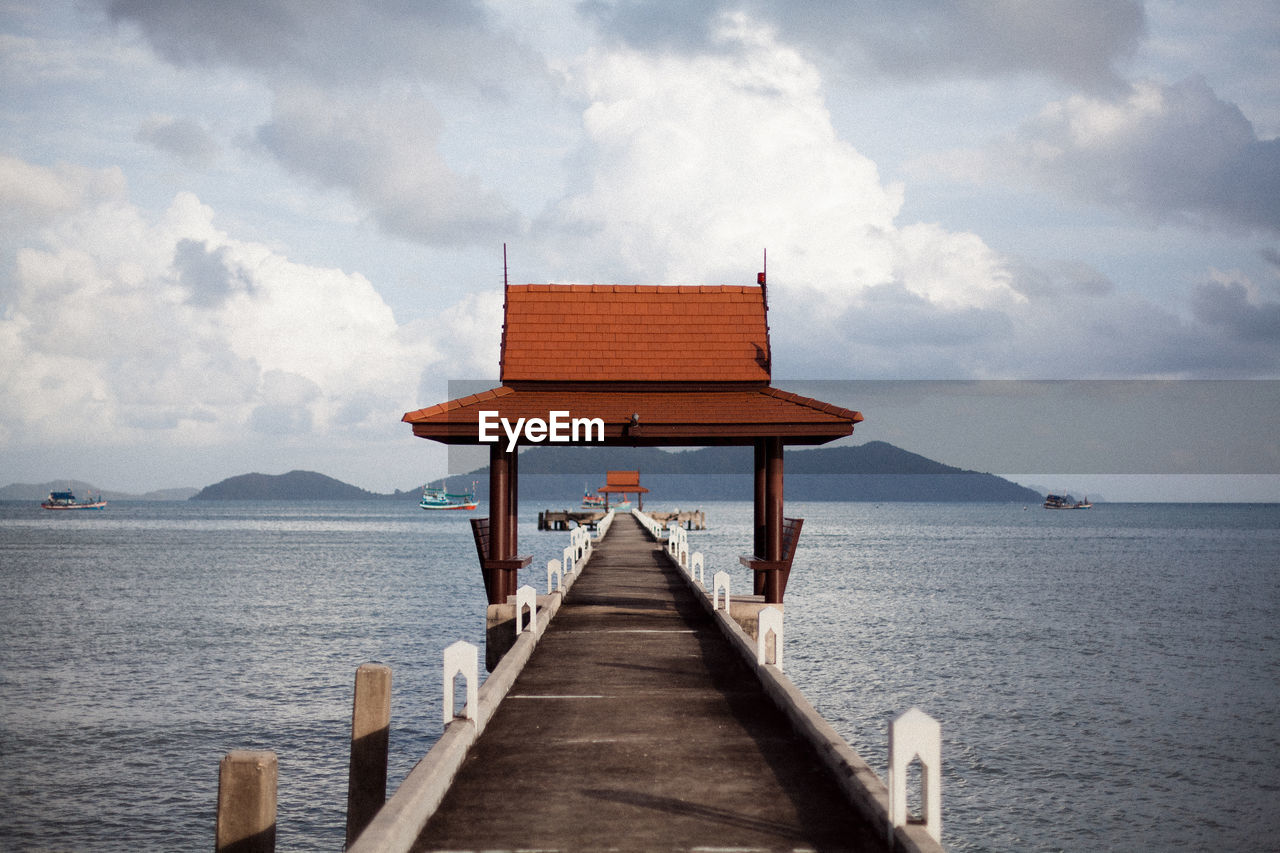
(442, 499)
(590, 501)
(1066, 502)
(67, 500)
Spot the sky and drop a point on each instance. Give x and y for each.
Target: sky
(250, 235)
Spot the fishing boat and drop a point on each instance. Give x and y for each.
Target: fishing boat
(590, 501)
(67, 500)
(440, 498)
(1067, 502)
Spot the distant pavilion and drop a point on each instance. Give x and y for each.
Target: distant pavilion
(661, 366)
(623, 483)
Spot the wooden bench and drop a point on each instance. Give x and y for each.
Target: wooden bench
(771, 575)
(499, 573)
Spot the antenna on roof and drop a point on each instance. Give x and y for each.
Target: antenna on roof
(504, 265)
(762, 277)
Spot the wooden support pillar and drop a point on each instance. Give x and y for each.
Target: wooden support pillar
(773, 498)
(513, 515)
(370, 734)
(246, 821)
(758, 543)
(499, 518)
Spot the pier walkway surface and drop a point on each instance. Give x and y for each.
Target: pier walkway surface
(636, 726)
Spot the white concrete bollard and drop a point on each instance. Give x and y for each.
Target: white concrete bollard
(697, 568)
(526, 596)
(916, 734)
(461, 658)
(567, 557)
(720, 581)
(554, 571)
(770, 623)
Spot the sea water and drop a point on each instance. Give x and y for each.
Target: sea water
(1105, 679)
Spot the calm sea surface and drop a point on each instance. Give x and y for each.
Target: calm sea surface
(1107, 679)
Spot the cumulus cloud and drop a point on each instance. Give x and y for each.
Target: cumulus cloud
(32, 195)
(693, 164)
(1078, 41)
(334, 41)
(1237, 307)
(128, 325)
(188, 140)
(384, 152)
(1175, 152)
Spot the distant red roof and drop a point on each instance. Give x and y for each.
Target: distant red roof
(634, 333)
(627, 482)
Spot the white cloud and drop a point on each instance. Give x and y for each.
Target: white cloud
(384, 151)
(1171, 152)
(33, 195)
(1079, 41)
(171, 330)
(694, 164)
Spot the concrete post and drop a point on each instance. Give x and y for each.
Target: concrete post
(912, 735)
(370, 737)
(720, 581)
(246, 821)
(462, 658)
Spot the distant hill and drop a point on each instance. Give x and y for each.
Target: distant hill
(875, 471)
(294, 486)
(40, 491)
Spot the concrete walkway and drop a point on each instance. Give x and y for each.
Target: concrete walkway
(634, 726)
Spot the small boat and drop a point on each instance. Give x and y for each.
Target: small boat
(67, 500)
(590, 501)
(442, 499)
(1067, 502)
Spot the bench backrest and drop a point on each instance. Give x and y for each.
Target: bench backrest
(480, 532)
(790, 536)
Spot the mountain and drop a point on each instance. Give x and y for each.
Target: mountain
(875, 471)
(294, 486)
(40, 491)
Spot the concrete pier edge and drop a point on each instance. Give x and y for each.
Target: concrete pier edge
(399, 822)
(866, 791)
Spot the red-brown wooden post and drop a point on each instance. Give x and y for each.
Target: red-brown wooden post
(758, 546)
(513, 523)
(773, 517)
(499, 497)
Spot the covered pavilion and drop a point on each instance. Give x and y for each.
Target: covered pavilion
(623, 483)
(658, 366)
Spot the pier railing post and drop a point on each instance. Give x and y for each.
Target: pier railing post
(462, 658)
(246, 821)
(913, 735)
(556, 572)
(720, 581)
(370, 739)
(526, 596)
(697, 568)
(770, 624)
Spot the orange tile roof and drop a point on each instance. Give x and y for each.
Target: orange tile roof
(671, 417)
(634, 333)
(625, 482)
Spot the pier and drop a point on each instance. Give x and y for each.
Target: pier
(638, 715)
(634, 706)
